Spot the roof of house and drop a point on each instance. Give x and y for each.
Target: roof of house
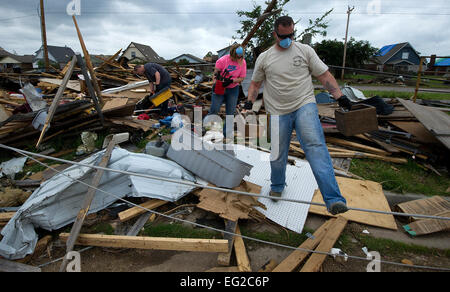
(387, 52)
(149, 53)
(61, 54)
(21, 59)
(443, 62)
(4, 53)
(190, 56)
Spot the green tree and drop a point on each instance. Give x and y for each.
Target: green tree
(263, 37)
(332, 52)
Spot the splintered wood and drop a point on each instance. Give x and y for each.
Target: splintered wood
(232, 206)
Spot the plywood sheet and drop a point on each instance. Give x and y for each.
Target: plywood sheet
(360, 194)
(115, 103)
(73, 84)
(420, 133)
(435, 121)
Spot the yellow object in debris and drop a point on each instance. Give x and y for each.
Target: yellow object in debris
(162, 97)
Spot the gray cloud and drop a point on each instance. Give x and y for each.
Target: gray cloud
(174, 27)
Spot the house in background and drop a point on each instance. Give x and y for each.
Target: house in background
(14, 63)
(189, 59)
(56, 55)
(400, 58)
(225, 51)
(138, 53)
(440, 66)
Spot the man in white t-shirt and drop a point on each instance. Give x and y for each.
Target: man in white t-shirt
(286, 70)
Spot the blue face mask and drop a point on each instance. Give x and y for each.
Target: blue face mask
(286, 43)
(240, 51)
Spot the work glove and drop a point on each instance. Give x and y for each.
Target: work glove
(345, 103)
(227, 82)
(248, 105)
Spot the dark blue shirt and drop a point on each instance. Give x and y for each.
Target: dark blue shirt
(152, 68)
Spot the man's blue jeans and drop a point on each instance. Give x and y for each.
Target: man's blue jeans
(230, 98)
(310, 134)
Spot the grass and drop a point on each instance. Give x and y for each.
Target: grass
(407, 95)
(407, 178)
(390, 247)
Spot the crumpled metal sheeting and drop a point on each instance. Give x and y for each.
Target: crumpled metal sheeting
(57, 202)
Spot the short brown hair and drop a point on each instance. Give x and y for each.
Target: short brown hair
(284, 21)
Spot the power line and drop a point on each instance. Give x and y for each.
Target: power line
(188, 183)
(231, 233)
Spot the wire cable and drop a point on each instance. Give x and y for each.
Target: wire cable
(231, 233)
(188, 183)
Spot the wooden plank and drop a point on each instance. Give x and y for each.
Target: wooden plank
(88, 62)
(5, 217)
(316, 260)
(435, 121)
(183, 91)
(14, 267)
(55, 103)
(356, 146)
(369, 156)
(360, 194)
(87, 201)
(223, 270)
(151, 243)
(293, 261)
(224, 259)
(59, 154)
(268, 267)
(241, 253)
(136, 211)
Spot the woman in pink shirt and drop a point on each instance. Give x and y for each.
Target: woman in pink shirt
(234, 68)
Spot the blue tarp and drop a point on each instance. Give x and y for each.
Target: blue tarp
(384, 50)
(442, 62)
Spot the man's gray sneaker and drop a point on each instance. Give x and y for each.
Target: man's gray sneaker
(338, 208)
(275, 195)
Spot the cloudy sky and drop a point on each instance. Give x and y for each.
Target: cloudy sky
(175, 27)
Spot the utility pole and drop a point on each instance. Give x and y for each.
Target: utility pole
(44, 38)
(349, 11)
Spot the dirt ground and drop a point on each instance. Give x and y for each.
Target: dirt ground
(113, 260)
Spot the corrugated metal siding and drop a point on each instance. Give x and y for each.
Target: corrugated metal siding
(301, 185)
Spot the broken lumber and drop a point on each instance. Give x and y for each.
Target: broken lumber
(5, 217)
(87, 57)
(223, 259)
(316, 260)
(136, 211)
(223, 270)
(241, 253)
(293, 261)
(87, 202)
(268, 267)
(357, 146)
(151, 243)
